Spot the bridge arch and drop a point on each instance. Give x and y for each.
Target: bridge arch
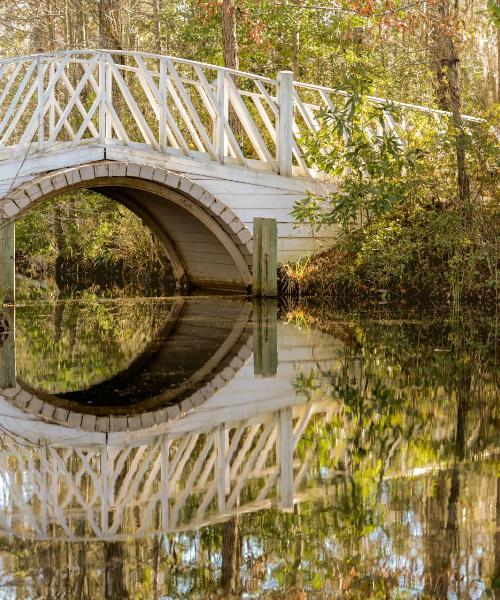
(208, 245)
(152, 389)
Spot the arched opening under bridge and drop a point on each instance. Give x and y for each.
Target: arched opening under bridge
(207, 244)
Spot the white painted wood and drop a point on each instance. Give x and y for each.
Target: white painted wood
(285, 121)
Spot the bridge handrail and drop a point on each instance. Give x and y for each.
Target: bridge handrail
(167, 104)
(185, 61)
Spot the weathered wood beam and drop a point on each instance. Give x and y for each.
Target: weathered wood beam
(265, 258)
(7, 261)
(7, 348)
(265, 337)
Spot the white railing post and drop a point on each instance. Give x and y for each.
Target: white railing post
(162, 112)
(41, 112)
(285, 123)
(222, 115)
(52, 100)
(108, 96)
(102, 102)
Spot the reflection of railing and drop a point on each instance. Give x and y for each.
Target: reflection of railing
(164, 104)
(172, 482)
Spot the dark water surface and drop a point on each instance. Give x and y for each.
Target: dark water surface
(315, 454)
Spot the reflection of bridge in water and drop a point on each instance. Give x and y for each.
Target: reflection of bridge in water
(247, 447)
(234, 453)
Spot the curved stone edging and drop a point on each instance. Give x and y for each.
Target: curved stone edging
(56, 182)
(23, 399)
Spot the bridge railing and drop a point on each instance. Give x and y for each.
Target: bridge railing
(163, 104)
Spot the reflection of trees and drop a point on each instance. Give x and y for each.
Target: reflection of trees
(231, 557)
(400, 400)
(115, 583)
(69, 346)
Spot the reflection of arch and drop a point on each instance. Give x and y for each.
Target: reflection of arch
(212, 350)
(206, 242)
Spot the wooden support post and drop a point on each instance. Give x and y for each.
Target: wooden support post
(265, 258)
(7, 348)
(285, 123)
(7, 261)
(285, 453)
(265, 337)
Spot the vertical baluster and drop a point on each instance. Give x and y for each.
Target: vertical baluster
(285, 123)
(109, 98)
(220, 142)
(162, 126)
(41, 111)
(102, 103)
(52, 100)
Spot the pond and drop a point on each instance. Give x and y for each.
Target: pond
(204, 447)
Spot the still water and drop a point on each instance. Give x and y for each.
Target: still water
(206, 447)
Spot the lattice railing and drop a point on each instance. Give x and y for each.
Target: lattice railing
(169, 483)
(163, 104)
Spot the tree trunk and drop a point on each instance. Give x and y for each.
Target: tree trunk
(449, 94)
(229, 39)
(296, 43)
(115, 584)
(230, 53)
(158, 42)
(110, 25)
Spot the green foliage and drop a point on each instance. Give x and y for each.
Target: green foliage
(395, 200)
(85, 236)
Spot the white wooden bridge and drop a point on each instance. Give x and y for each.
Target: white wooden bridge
(198, 151)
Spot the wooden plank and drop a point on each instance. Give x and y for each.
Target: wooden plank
(7, 261)
(8, 349)
(265, 277)
(265, 337)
